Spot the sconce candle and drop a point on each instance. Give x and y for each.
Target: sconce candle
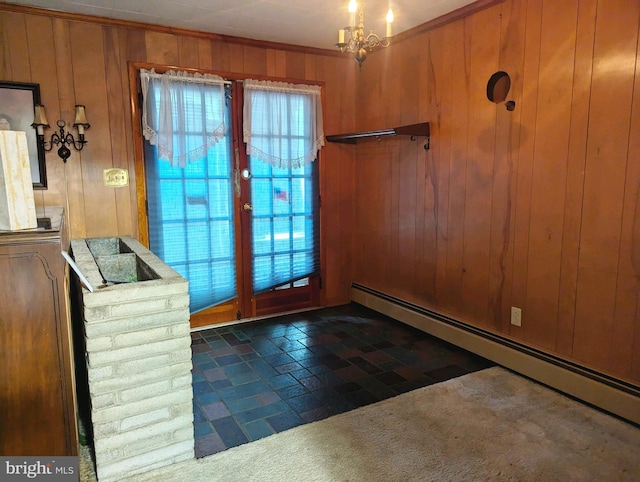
(62, 138)
(81, 119)
(40, 119)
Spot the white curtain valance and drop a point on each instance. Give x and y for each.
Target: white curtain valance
(279, 128)
(182, 113)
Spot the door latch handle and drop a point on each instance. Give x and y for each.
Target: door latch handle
(247, 207)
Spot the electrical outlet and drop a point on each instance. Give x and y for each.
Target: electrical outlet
(516, 316)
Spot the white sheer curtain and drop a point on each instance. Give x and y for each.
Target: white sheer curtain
(182, 118)
(277, 110)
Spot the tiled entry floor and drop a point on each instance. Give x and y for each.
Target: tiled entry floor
(254, 379)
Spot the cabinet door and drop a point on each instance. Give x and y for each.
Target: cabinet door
(33, 401)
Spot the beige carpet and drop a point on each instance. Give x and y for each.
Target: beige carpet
(489, 425)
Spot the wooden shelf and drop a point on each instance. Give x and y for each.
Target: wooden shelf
(413, 131)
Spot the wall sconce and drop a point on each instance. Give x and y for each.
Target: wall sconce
(62, 137)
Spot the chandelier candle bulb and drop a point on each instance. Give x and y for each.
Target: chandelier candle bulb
(389, 22)
(341, 36)
(353, 7)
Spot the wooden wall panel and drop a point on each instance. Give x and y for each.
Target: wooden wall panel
(17, 47)
(457, 50)
(43, 72)
(335, 73)
(205, 60)
(390, 194)
(372, 85)
(485, 42)
(506, 167)
(310, 67)
(280, 69)
(409, 250)
(372, 235)
(236, 58)
(549, 174)
(420, 276)
(401, 166)
(118, 99)
(528, 108)
(162, 48)
(255, 59)
(89, 81)
(136, 47)
(615, 50)
(220, 56)
(188, 52)
(370, 168)
(576, 159)
(542, 202)
(61, 107)
(5, 69)
(437, 160)
(295, 65)
(626, 335)
(133, 45)
(331, 158)
(271, 62)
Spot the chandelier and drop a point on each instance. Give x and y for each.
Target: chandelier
(352, 38)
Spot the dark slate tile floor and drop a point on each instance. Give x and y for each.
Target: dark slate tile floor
(255, 379)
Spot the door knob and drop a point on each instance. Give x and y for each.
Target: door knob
(247, 207)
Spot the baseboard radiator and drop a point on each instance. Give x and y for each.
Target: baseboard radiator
(602, 391)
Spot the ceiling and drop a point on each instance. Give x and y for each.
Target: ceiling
(311, 23)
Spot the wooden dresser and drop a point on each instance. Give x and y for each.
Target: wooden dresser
(36, 377)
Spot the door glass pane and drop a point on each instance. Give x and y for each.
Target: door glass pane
(284, 224)
(191, 217)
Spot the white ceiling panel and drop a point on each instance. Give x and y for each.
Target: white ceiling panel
(312, 23)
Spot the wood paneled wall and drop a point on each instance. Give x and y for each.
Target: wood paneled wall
(84, 60)
(538, 208)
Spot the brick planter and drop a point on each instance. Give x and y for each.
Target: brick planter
(138, 361)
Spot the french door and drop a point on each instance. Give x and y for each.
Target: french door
(244, 233)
